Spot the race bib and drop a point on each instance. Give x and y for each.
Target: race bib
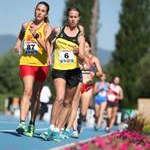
(102, 93)
(66, 56)
(31, 48)
(111, 97)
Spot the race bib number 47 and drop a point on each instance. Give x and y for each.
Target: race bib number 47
(31, 48)
(66, 57)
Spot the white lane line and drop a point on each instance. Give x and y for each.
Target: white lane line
(11, 130)
(9, 122)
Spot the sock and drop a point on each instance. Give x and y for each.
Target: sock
(57, 129)
(52, 127)
(22, 121)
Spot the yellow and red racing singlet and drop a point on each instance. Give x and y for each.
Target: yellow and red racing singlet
(33, 54)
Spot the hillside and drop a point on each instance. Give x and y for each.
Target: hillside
(103, 55)
(7, 42)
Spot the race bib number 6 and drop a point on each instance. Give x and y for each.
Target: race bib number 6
(66, 56)
(31, 48)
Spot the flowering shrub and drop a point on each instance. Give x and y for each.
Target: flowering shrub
(131, 138)
(124, 140)
(136, 124)
(146, 128)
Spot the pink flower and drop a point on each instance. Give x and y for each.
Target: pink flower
(84, 147)
(100, 142)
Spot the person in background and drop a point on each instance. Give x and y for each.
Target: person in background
(44, 101)
(100, 91)
(15, 106)
(115, 93)
(34, 64)
(90, 67)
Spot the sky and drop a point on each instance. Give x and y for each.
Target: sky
(14, 12)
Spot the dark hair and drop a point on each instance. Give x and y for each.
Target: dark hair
(88, 41)
(73, 8)
(47, 5)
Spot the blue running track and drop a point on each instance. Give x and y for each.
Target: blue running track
(10, 140)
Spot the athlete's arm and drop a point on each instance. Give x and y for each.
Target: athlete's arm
(98, 66)
(81, 30)
(81, 53)
(96, 90)
(120, 96)
(54, 33)
(48, 47)
(20, 38)
(47, 31)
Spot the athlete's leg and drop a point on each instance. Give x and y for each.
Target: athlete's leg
(97, 110)
(74, 107)
(85, 102)
(35, 100)
(101, 113)
(60, 85)
(70, 92)
(113, 117)
(25, 101)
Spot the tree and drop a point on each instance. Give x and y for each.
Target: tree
(9, 76)
(132, 43)
(142, 82)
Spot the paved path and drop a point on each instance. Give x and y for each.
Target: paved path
(10, 140)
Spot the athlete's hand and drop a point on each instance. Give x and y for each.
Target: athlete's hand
(17, 49)
(48, 60)
(76, 51)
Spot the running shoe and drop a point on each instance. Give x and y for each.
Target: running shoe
(47, 135)
(95, 127)
(56, 137)
(21, 128)
(79, 128)
(75, 134)
(30, 130)
(66, 134)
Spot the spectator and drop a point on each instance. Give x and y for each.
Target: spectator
(44, 100)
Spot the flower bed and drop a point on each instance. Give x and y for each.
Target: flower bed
(133, 137)
(125, 140)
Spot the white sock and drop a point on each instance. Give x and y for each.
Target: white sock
(57, 129)
(52, 127)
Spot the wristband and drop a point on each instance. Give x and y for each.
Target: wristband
(36, 36)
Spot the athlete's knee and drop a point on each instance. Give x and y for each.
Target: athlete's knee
(27, 92)
(59, 100)
(67, 104)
